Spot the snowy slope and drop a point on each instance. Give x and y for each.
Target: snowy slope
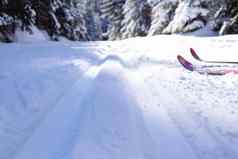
(124, 99)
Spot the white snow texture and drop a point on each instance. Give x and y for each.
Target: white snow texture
(126, 99)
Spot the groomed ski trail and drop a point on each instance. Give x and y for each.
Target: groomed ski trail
(105, 105)
(125, 135)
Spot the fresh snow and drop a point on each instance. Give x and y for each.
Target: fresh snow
(34, 36)
(117, 100)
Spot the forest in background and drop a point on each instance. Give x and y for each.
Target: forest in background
(88, 20)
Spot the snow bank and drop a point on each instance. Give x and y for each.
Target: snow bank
(123, 99)
(31, 37)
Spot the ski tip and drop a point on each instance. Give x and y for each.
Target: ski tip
(194, 54)
(185, 63)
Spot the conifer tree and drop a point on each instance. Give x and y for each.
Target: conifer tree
(92, 19)
(190, 15)
(136, 20)
(112, 14)
(7, 22)
(162, 14)
(227, 18)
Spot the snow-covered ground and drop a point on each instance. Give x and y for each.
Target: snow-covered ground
(117, 100)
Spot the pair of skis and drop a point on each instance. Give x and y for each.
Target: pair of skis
(208, 67)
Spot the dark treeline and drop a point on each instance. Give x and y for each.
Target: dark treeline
(57, 17)
(114, 19)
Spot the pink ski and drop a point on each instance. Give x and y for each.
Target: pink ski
(195, 55)
(205, 69)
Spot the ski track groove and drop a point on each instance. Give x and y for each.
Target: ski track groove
(84, 116)
(173, 114)
(174, 119)
(178, 118)
(19, 94)
(52, 109)
(218, 138)
(181, 128)
(72, 142)
(222, 143)
(177, 115)
(47, 113)
(164, 110)
(15, 130)
(219, 146)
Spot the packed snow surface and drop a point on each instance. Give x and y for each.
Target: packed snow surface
(127, 99)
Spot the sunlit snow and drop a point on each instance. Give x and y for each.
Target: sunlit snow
(126, 99)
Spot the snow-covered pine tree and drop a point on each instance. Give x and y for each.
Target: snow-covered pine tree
(106, 8)
(20, 11)
(137, 19)
(54, 24)
(78, 11)
(7, 28)
(71, 19)
(85, 19)
(190, 15)
(162, 14)
(47, 17)
(226, 20)
(28, 16)
(7, 23)
(112, 14)
(61, 18)
(92, 19)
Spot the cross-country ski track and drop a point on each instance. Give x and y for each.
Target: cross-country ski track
(127, 99)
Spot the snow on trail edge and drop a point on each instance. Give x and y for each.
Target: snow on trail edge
(124, 99)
